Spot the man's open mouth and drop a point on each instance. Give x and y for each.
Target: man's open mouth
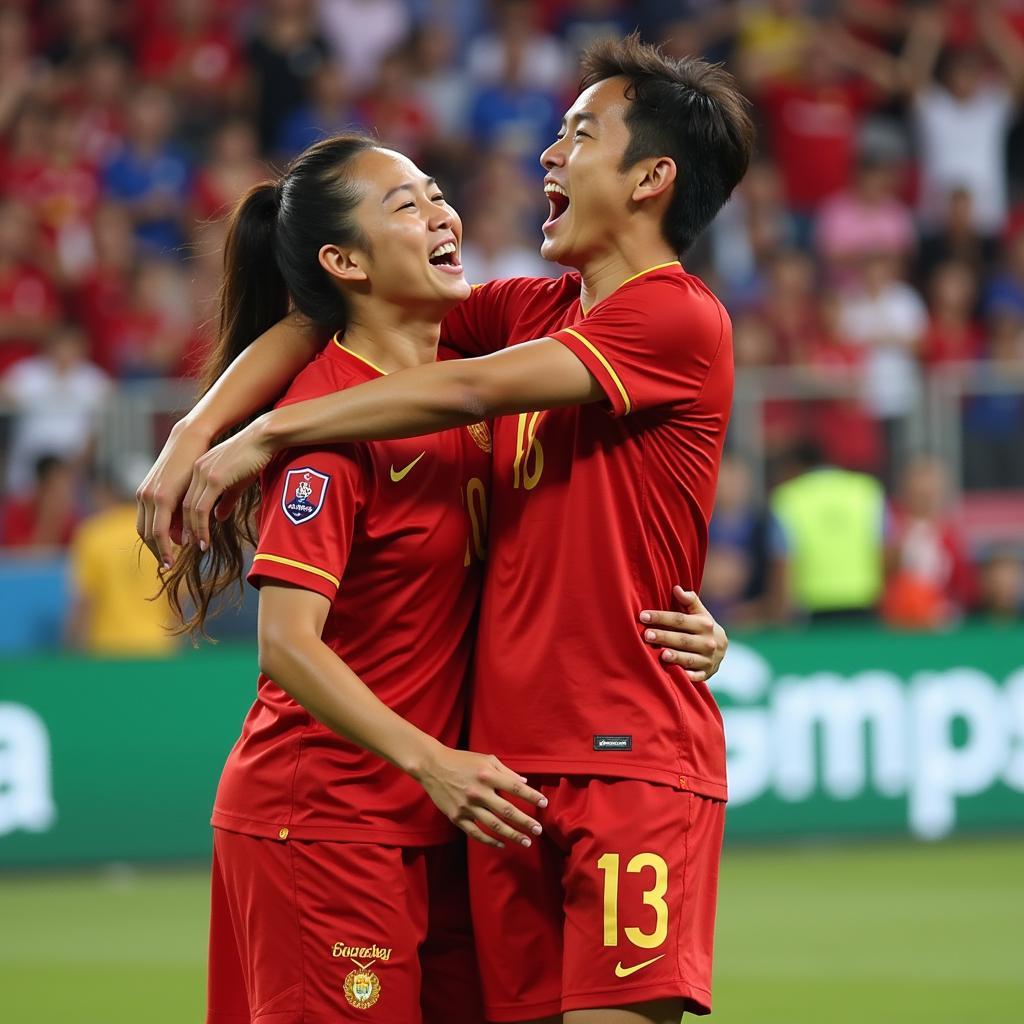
(558, 199)
(446, 257)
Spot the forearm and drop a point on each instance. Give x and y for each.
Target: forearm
(313, 675)
(255, 378)
(530, 377)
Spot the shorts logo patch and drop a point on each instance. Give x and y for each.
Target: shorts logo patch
(303, 495)
(613, 742)
(362, 988)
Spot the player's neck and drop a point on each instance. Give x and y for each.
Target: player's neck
(607, 271)
(393, 339)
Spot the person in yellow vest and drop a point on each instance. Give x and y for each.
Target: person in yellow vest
(834, 522)
(113, 579)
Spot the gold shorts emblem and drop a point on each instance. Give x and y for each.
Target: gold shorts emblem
(480, 433)
(362, 988)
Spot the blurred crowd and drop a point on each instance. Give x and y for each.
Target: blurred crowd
(877, 241)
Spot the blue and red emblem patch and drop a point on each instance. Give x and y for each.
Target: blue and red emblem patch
(304, 491)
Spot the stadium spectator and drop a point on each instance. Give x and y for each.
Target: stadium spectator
(952, 335)
(929, 580)
(149, 335)
(1002, 586)
(19, 72)
(43, 516)
(745, 576)
(393, 111)
(886, 316)
(29, 301)
(815, 118)
(582, 22)
(496, 246)
(285, 52)
(113, 612)
(834, 523)
(869, 217)
(188, 50)
(752, 227)
(57, 397)
(963, 119)
(362, 33)
(849, 436)
(994, 415)
(104, 290)
(327, 111)
(150, 175)
(439, 81)
(1006, 290)
(517, 42)
(232, 167)
(80, 27)
(97, 103)
(955, 238)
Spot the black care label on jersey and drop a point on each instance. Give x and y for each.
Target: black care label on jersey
(613, 742)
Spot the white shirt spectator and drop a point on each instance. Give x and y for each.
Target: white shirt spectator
(362, 32)
(56, 412)
(963, 145)
(889, 323)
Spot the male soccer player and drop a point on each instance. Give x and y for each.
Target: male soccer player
(612, 387)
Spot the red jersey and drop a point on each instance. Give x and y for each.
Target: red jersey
(382, 530)
(597, 511)
(814, 134)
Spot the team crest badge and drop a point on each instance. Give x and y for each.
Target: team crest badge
(480, 433)
(303, 495)
(362, 988)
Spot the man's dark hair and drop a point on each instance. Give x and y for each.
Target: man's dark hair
(688, 110)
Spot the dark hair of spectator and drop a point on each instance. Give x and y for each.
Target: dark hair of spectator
(271, 263)
(688, 110)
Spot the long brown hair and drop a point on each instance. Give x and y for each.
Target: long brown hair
(270, 264)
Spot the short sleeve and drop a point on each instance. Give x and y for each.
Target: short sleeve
(651, 345)
(310, 501)
(483, 323)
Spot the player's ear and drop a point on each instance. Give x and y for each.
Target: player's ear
(344, 264)
(653, 178)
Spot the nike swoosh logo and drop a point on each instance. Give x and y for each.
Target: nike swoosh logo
(401, 474)
(625, 972)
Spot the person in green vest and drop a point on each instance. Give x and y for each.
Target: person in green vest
(834, 522)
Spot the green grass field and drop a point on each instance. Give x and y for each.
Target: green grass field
(807, 935)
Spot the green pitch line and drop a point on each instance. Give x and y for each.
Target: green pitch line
(897, 933)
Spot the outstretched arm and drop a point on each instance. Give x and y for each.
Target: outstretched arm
(536, 375)
(249, 384)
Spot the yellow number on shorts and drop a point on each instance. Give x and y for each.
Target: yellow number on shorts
(653, 897)
(526, 473)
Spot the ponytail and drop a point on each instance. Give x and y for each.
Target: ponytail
(253, 297)
(270, 261)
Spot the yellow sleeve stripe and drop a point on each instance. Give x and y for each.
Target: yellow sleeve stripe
(298, 565)
(608, 366)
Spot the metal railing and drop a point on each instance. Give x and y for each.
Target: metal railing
(140, 413)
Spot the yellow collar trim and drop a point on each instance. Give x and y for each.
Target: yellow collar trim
(356, 355)
(649, 270)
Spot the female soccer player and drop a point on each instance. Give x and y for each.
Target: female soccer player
(337, 882)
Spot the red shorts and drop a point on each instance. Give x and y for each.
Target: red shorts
(321, 932)
(613, 905)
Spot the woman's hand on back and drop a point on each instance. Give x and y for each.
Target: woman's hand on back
(467, 787)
